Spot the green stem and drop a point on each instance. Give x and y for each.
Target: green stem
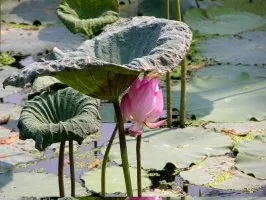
(72, 168)
(139, 165)
(123, 148)
(197, 2)
(168, 76)
(183, 93)
(61, 169)
(105, 158)
(183, 73)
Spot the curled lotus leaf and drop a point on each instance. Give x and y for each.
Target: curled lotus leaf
(59, 116)
(105, 66)
(88, 17)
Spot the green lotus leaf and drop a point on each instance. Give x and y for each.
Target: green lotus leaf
(215, 93)
(216, 172)
(23, 184)
(182, 147)
(115, 182)
(59, 116)
(220, 20)
(251, 158)
(88, 17)
(246, 48)
(257, 6)
(105, 66)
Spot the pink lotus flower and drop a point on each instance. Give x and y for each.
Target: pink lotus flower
(143, 105)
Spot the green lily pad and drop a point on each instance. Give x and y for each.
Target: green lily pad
(215, 93)
(182, 147)
(251, 158)
(257, 6)
(88, 17)
(58, 116)
(115, 182)
(34, 185)
(220, 20)
(245, 48)
(217, 172)
(105, 66)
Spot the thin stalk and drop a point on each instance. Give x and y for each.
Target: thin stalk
(72, 168)
(104, 164)
(168, 76)
(197, 3)
(139, 165)
(61, 170)
(183, 93)
(123, 148)
(183, 73)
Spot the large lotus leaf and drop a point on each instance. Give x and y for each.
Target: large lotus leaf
(220, 20)
(257, 6)
(182, 147)
(34, 185)
(106, 65)
(115, 181)
(88, 17)
(59, 116)
(216, 172)
(216, 92)
(44, 83)
(251, 158)
(245, 48)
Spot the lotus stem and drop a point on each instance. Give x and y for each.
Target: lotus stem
(183, 93)
(138, 152)
(183, 74)
(61, 170)
(123, 148)
(197, 2)
(168, 76)
(72, 168)
(105, 158)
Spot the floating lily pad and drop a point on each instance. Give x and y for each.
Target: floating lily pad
(245, 48)
(251, 158)
(34, 185)
(216, 172)
(215, 93)
(182, 147)
(34, 41)
(238, 128)
(115, 182)
(88, 17)
(58, 116)
(257, 6)
(220, 20)
(105, 66)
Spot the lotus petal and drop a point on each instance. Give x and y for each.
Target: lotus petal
(106, 65)
(59, 116)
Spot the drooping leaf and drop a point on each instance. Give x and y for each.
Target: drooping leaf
(59, 116)
(182, 147)
(245, 48)
(88, 17)
(115, 182)
(216, 172)
(106, 65)
(220, 20)
(17, 185)
(251, 158)
(215, 93)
